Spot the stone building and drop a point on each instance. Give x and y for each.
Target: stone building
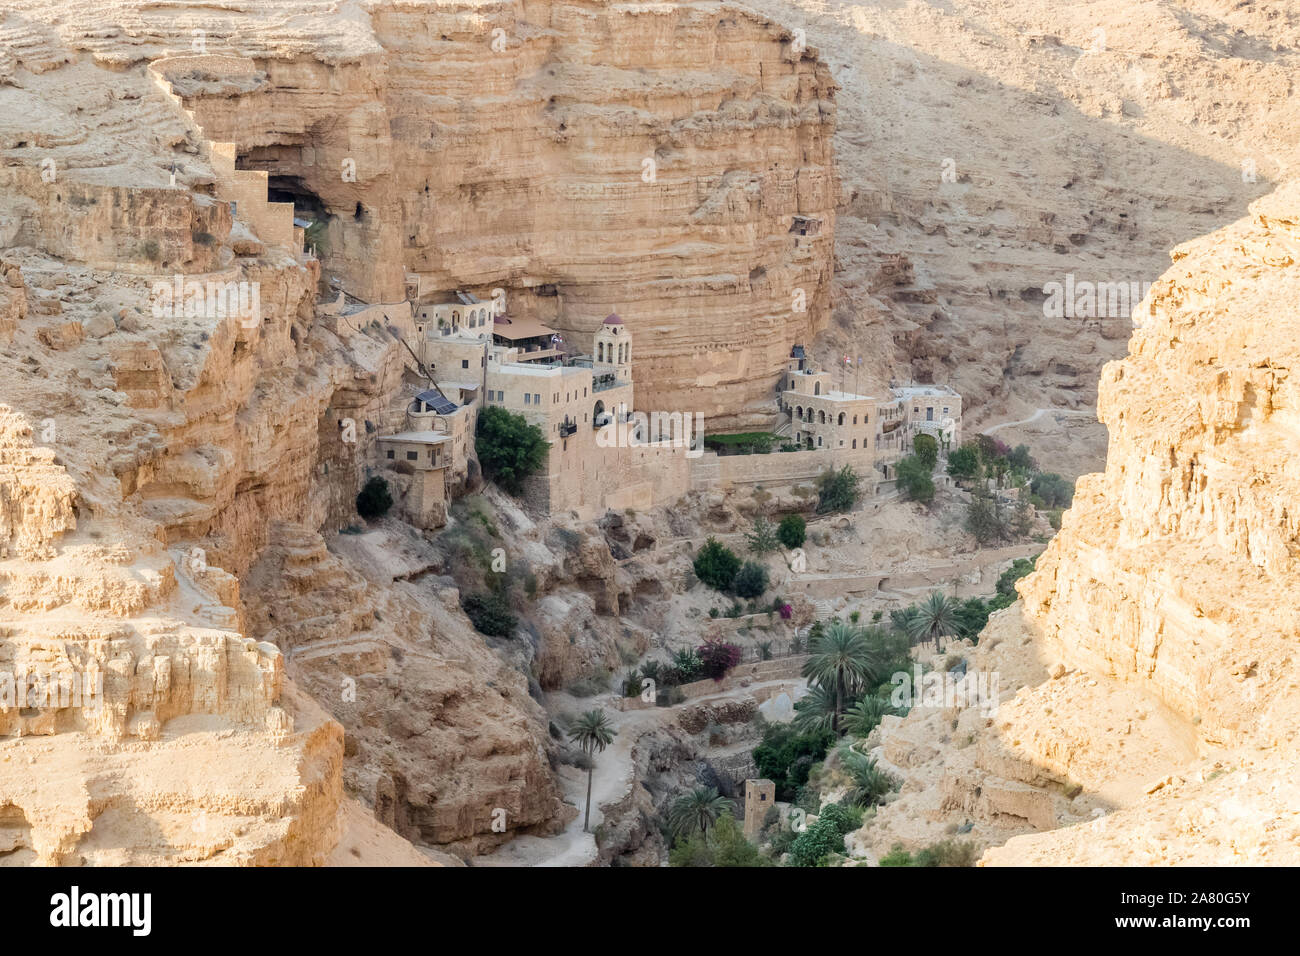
(760, 796)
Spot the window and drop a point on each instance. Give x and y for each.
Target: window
(464, 363)
(945, 409)
(390, 453)
(412, 455)
(929, 414)
(528, 399)
(537, 399)
(855, 443)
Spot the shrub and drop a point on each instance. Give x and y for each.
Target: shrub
(374, 499)
(717, 658)
(945, 853)
(763, 537)
(489, 612)
(837, 490)
(716, 565)
(1019, 569)
(817, 842)
(688, 665)
(750, 580)
(723, 845)
(792, 531)
(914, 479)
(846, 818)
(509, 448)
(926, 449)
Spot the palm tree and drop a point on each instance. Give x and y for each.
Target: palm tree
(870, 783)
(696, 809)
(815, 711)
(935, 617)
(593, 734)
(863, 716)
(842, 661)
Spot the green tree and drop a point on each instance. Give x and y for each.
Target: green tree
(837, 490)
(750, 580)
(696, 810)
(964, 462)
(935, 617)
(914, 479)
(593, 733)
(1052, 489)
(1020, 459)
(842, 661)
(786, 754)
(763, 538)
(926, 448)
(374, 499)
(792, 531)
(716, 565)
(509, 448)
(985, 519)
(1022, 519)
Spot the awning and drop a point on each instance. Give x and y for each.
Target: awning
(515, 329)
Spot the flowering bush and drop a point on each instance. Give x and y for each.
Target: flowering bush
(718, 658)
(786, 612)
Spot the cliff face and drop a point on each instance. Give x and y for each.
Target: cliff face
(1149, 675)
(171, 482)
(587, 157)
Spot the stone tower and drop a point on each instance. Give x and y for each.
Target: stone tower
(612, 346)
(760, 796)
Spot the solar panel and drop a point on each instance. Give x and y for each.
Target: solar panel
(439, 403)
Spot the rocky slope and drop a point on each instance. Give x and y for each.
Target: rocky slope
(989, 147)
(1149, 672)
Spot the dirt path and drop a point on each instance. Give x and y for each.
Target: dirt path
(612, 780)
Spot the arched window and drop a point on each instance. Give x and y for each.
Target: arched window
(855, 419)
(855, 443)
(798, 413)
(841, 419)
(817, 388)
(821, 416)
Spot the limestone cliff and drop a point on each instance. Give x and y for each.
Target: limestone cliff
(1149, 673)
(588, 157)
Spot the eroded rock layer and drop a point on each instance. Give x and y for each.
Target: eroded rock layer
(1149, 675)
(645, 159)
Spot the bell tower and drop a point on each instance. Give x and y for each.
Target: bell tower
(612, 348)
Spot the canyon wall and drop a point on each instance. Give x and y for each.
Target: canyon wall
(589, 158)
(1149, 674)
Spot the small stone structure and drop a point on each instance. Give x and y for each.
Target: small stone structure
(760, 796)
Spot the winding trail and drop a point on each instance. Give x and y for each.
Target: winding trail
(612, 780)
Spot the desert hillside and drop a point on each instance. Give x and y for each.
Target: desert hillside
(1148, 707)
(988, 148)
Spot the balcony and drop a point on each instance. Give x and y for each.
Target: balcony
(568, 428)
